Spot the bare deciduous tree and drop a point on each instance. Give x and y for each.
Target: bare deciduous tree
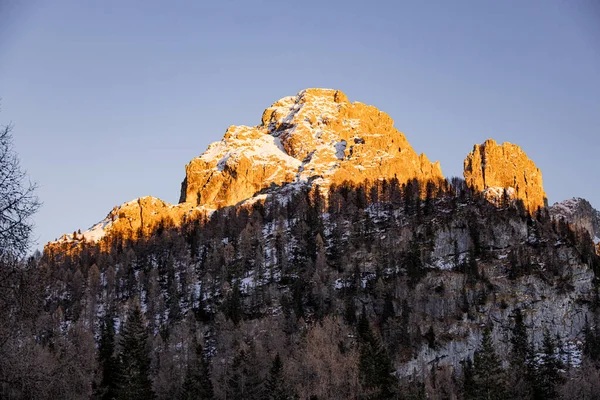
(18, 201)
(19, 290)
(326, 365)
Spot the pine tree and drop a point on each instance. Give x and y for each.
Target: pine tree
(197, 384)
(134, 360)
(488, 375)
(414, 265)
(275, 387)
(469, 267)
(233, 305)
(548, 374)
(243, 381)
(404, 334)
(531, 375)
(430, 189)
(375, 366)
(468, 381)
(519, 374)
(591, 341)
(107, 359)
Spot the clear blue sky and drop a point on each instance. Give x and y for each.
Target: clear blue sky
(110, 99)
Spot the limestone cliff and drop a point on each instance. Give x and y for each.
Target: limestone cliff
(317, 134)
(135, 218)
(316, 137)
(579, 213)
(490, 168)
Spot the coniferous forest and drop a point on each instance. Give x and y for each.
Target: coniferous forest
(374, 291)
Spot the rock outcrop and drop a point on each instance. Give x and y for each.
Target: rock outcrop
(579, 213)
(317, 134)
(490, 168)
(135, 218)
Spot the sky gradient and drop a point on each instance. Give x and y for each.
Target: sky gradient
(110, 99)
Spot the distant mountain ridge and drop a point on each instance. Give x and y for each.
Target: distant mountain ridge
(317, 137)
(317, 134)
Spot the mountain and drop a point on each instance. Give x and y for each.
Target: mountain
(316, 255)
(316, 138)
(317, 135)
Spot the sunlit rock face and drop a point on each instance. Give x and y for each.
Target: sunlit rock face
(134, 219)
(491, 167)
(316, 135)
(142, 216)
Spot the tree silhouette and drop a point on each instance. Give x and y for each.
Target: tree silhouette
(375, 367)
(18, 201)
(488, 375)
(134, 359)
(197, 384)
(275, 387)
(108, 360)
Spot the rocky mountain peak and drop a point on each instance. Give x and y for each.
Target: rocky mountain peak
(133, 219)
(318, 135)
(580, 213)
(490, 168)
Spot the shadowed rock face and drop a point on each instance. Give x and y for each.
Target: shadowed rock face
(580, 213)
(491, 166)
(316, 134)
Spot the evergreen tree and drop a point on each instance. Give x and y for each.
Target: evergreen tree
(430, 338)
(404, 334)
(519, 374)
(375, 366)
(469, 267)
(549, 370)
(244, 381)
(488, 375)
(430, 190)
(591, 341)
(233, 305)
(388, 307)
(197, 384)
(275, 387)
(134, 359)
(531, 370)
(107, 359)
(468, 381)
(414, 265)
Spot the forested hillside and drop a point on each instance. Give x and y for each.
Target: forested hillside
(377, 290)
